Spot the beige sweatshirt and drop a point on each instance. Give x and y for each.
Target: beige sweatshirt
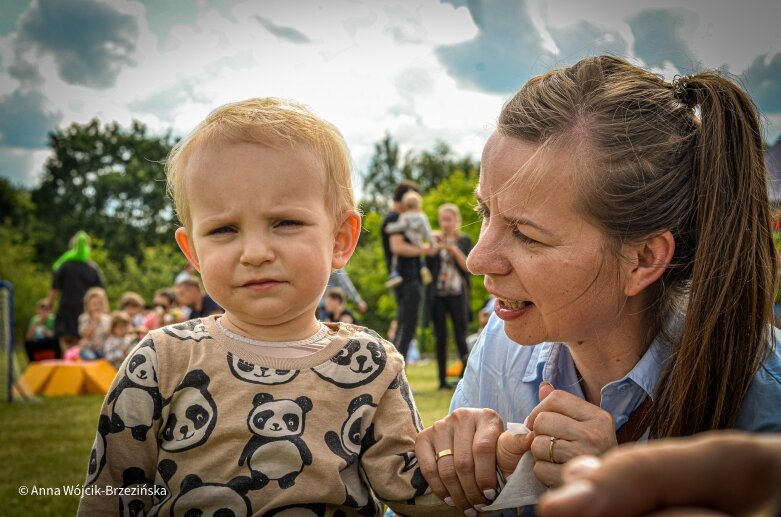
(196, 420)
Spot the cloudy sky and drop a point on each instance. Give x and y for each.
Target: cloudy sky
(422, 70)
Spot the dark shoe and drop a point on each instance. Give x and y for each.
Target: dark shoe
(446, 386)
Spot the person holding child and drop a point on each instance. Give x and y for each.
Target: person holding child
(449, 294)
(414, 224)
(94, 323)
(627, 238)
(262, 410)
(408, 294)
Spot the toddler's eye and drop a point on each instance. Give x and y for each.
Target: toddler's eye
(222, 229)
(288, 223)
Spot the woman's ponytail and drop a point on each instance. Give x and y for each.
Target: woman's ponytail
(733, 275)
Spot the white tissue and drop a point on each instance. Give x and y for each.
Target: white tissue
(522, 487)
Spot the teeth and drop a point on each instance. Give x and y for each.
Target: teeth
(513, 304)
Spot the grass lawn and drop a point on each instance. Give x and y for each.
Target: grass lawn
(46, 442)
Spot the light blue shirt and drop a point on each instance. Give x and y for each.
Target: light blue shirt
(505, 376)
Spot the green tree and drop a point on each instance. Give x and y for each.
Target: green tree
(106, 180)
(386, 168)
(428, 168)
(31, 282)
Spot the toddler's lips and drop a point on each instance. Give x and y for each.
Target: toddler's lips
(262, 284)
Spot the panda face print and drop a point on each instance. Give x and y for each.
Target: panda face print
(135, 502)
(352, 429)
(141, 369)
(192, 330)
(356, 364)
(278, 418)
(209, 500)
(97, 457)
(189, 415)
(258, 374)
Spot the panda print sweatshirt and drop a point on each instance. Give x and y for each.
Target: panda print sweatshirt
(197, 422)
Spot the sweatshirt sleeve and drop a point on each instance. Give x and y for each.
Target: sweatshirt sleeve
(125, 451)
(388, 461)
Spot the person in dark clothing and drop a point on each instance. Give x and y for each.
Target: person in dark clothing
(408, 293)
(189, 293)
(74, 275)
(449, 293)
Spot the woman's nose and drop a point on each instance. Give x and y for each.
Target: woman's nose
(488, 255)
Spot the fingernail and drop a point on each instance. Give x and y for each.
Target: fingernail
(545, 383)
(471, 512)
(490, 494)
(581, 466)
(526, 422)
(449, 501)
(578, 495)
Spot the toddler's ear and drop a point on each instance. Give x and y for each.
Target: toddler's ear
(347, 233)
(186, 245)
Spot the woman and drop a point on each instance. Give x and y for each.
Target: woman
(626, 237)
(448, 295)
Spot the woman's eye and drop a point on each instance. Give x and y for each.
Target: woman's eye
(482, 212)
(523, 237)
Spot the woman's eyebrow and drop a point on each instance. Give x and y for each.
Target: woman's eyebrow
(522, 221)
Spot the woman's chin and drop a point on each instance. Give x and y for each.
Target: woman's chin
(522, 336)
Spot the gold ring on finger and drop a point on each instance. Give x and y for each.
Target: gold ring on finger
(550, 449)
(444, 452)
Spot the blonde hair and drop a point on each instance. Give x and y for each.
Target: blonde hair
(649, 162)
(271, 122)
(97, 292)
(411, 200)
(450, 207)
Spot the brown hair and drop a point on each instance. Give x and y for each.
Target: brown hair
(684, 157)
(271, 122)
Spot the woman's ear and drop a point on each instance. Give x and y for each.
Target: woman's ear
(346, 238)
(648, 260)
(185, 244)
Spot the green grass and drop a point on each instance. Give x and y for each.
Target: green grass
(46, 442)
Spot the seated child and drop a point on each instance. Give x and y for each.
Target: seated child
(39, 341)
(133, 305)
(262, 410)
(94, 323)
(120, 339)
(335, 310)
(165, 310)
(414, 224)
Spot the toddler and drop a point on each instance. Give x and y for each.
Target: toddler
(414, 224)
(262, 410)
(94, 323)
(120, 339)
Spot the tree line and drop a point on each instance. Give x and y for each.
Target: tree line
(109, 181)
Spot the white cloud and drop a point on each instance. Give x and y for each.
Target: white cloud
(369, 67)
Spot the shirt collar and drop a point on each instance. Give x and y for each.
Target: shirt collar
(551, 361)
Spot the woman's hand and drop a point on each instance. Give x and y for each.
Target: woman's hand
(466, 478)
(578, 426)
